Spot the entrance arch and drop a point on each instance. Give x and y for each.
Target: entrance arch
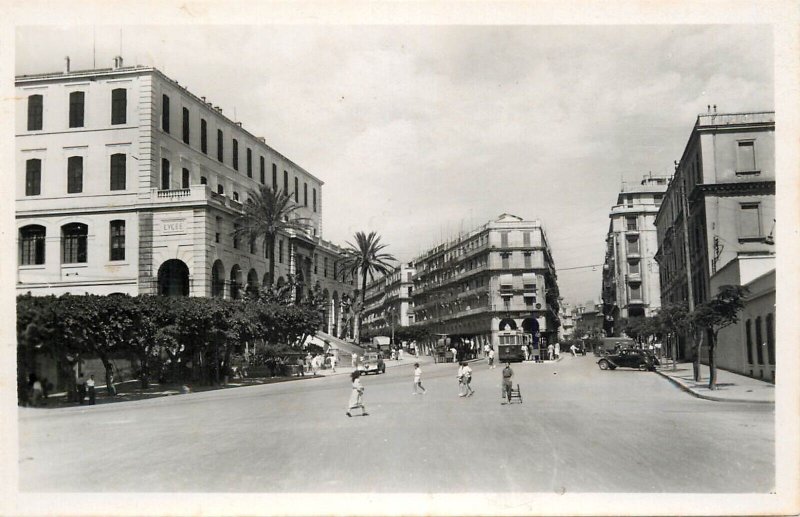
(252, 283)
(173, 278)
(217, 279)
(507, 324)
(236, 282)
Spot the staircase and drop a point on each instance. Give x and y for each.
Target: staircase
(343, 346)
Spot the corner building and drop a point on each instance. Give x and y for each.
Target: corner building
(498, 277)
(129, 183)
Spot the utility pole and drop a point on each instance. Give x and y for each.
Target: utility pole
(690, 291)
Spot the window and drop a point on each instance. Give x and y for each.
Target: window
(274, 177)
(263, 171)
(31, 245)
(236, 196)
(220, 146)
(33, 177)
(203, 136)
(296, 190)
(527, 257)
(636, 291)
(252, 245)
(632, 245)
(235, 154)
(185, 125)
(771, 338)
(34, 112)
(526, 238)
(165, 113)
(117, 240)
(164, 174)
(745, 156)
(305, 194)
(236, 230)
(76, 109)
(314, 198)
(629, 201)
(249, 163)
(286, 183)
(73, 243)
(218, 228)
(504, 239)
(506, 257)
(119, 106)
(749, 337)
(203, 180)
(749, 220)
(185, 178)
(220, 189)
(280, 251)
(325, 267)
(118, 172)
(658, 198)
(74, 174)
(316, 264)
(630, 223)
(633, 267)
(759, 347)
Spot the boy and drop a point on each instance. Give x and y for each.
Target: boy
(418, 379)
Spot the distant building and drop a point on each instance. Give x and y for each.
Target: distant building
(630, 273)
(566, 315)
(388, 301)
(589, 320)
(727, 174)
(129, 183)
(498, 277)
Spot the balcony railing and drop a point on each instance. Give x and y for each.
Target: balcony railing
(193, 194)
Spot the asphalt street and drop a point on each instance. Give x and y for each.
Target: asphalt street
(579, 430)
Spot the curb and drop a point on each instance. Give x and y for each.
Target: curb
(693, 393)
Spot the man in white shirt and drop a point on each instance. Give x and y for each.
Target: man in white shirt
(460, 376)
(491, 358)
(418, 379)
(467, 372)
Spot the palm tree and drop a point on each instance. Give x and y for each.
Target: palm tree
(366, 258)
(268, 211)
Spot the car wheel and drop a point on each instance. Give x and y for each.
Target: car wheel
(603, 364)
(643, 367)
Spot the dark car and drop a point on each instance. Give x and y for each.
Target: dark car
(372, 362)
(630, 358)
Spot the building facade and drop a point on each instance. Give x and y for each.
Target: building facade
(129, 183)
(388, 301)
(631, 286)
(726, 180)
(498, 277)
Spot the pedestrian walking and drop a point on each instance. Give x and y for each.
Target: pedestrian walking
(308, 360)
(90, 389)
(468, 391)
(508, 374)
(550, 351)
(356, 396)
(486, 350)
(301, 367)
(81, 388)
(558, 350)
(491, 358)
(400, 354)
(418, 379)
(315, 364)
(455, 354)
(394, 354)
(112, 390)
(525, 351)
(37, 392)
(333, 363)
(460, 376)
(573, 349)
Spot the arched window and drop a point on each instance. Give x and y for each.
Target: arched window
(118, 171)
(218, 280)
(771, 338)
(73, 243)
(31, 245)
(748, 329)
(759, 348)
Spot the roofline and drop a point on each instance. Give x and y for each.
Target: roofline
(140, 70)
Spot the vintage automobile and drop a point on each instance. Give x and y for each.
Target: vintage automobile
(628, 357)
(372, 363)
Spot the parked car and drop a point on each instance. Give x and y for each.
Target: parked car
(630, 358)
(372, 363)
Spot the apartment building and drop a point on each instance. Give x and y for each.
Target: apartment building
(726, 180)
(498, 277)
(631, 285)
(388, 300)
(129, 183)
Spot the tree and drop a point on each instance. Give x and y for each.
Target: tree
(672, 320)
(716, 314)
(365, 258)
(267, 212)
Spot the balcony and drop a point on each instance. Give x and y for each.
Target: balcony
(195, 194)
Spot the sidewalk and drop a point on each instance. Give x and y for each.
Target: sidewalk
(731, 387)
(408, 360)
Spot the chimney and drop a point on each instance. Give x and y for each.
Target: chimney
(66, 65)
(262, 139)
(708, 108)
(239, 124)
(715, 108)
(117, 62)
(203, 98)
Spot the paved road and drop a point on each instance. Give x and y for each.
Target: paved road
(579, 430)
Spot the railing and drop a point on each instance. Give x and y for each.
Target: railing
(173, 193)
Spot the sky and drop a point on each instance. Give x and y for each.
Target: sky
(420, 132)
